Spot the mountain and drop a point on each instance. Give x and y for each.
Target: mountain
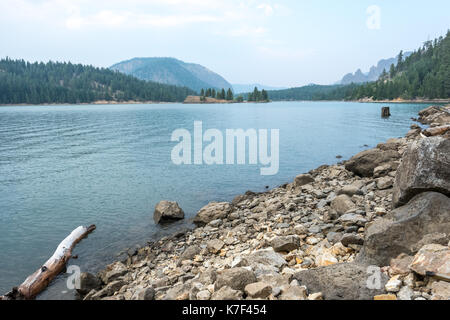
(53, 82)
(245, 88)
(374, 72)
(172, 71)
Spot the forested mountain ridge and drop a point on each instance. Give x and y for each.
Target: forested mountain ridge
(54, 82)
(424, 74)
(172, 71)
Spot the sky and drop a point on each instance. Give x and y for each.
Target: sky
(273, 42)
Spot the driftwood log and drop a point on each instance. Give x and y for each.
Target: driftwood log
(39, 280)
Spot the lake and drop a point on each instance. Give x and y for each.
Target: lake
(65, 166)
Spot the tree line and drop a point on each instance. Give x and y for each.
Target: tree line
(55, 82)
(219, 94)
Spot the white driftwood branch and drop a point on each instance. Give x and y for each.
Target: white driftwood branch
(39, 280)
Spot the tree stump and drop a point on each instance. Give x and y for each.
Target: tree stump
(385, 112)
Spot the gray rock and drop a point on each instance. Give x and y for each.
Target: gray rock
(384, 183)
(189, 253)
(351, 238)
(350, 219)
(303, 179)
(364, 163)
(236, 278)
(144, 294)
(342, 204)
(215, 245)
(294, 292)
(424, 167)
(346, 281)
(166, 211)
(400, 230)
(265, 257)
(350, 190)
(285, 244)
(227, 293)
(212, 211)
(334, 237)
(405, 293)
(88, 282)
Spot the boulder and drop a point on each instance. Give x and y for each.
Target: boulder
(166, 211)
(424, 167)
(345, 281)
(266, 257)
(215, 245)
(401, 229)
(212, 211)
(236, 278)
(440, 290)
(364, 163)
(432, 259)
(342, 204)
(113, 272)
(351, 238)
(400, 265)
(285, 244)
(384, 183)
(88, 282)
(189, 253)
(303, 179)
(350, 190)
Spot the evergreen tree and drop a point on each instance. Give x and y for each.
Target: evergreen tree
(229, 95)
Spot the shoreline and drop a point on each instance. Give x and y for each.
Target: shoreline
(100, 103)
(278, 244)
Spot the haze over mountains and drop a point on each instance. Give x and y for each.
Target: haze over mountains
(374, 72)
(172, 71)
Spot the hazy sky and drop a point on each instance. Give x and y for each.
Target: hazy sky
(279, 42)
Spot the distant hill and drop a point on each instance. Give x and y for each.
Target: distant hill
(53, 82)
(245, 88)
(374, 72)
(172, 71)
(311, 92)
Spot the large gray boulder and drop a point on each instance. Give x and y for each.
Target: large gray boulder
(401, 230)
(425, 166)
(345, 281)
(166, 211)
(236, 279)
(212, 211)
(364, 163)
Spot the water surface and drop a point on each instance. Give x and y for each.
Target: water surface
(65, 166)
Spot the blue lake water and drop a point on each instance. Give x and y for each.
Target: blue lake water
(65, 166)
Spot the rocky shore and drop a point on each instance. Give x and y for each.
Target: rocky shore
(374, 227)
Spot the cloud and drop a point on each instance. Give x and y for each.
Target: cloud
(268, 10)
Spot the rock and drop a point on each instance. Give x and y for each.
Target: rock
(334, 237)
(432, 238)
(400, 265)
(351, 238)
(203, 295)
(294, 292)
(364, 163)
(303, 179)
(144, 294)
(322, 204)
(405, 293)
(345, 281)
(215, 245)
(394, 284)
(109, 290)
(226, 293)
(384, 169)
(265, 257)
(440, 290)
(385, 297)
(88, 282)
(236, 278)
(285, 244)
(315, 296)
(166, 211)
(342, 204)
(424, 167)
(385, 183)
(351, 219)
(212, 211)
(350, 190)
(258, 290)
(189, 253)
(436, 131)
(432, 259)
(300, 229)
(401, 229)
(325, 258)
(113, 272)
